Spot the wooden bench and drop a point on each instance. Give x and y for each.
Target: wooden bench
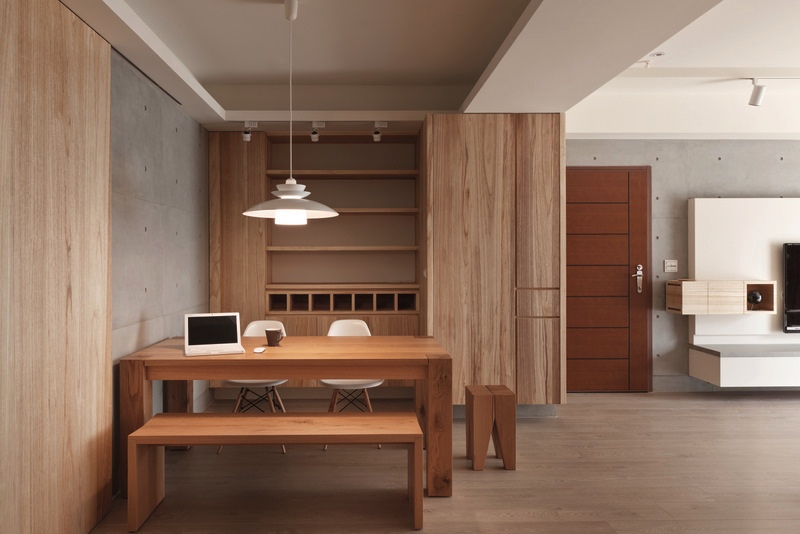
(146, 445)
(491, 411)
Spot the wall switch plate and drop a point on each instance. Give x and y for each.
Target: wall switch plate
(670, 266)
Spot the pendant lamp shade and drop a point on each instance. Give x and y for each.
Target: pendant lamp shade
(291, 207)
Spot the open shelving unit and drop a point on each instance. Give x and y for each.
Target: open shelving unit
(365, 262)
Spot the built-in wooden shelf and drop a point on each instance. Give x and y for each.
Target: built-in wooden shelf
(357, 298)
(377, 211)
(362, 248)
(339, 174)
(710, 297)
(364, 263)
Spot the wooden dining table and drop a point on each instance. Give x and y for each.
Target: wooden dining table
(417, 358)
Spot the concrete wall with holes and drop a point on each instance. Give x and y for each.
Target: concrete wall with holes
(684, 169)
(159, 175)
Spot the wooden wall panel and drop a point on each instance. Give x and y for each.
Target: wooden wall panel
(539, 368)
(597, 343)
(538, 302)
(55, 205)
(610, 185)
(470, 256)
(598, 219)
(585, 249)
(540, 248)
(598, 375)
(597, 280)
(540, 163)
(238, 261)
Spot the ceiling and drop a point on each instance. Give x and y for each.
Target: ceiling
(618, 68)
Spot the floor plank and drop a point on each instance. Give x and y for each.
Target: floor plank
(609, 463)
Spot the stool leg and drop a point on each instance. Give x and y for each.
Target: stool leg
(468, 408)
(504, 432)
(480, 425)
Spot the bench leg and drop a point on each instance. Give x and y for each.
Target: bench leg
(145, 482)
(504, 432)
(415, 481)
(480, 414)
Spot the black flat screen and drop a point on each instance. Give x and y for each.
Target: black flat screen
(212, 330)
(791, 287)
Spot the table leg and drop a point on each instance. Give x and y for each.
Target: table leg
(420, 407)
(135, 407)
(439, 423)
(178, 396)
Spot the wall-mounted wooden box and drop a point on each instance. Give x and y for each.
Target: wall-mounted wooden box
(716, 297)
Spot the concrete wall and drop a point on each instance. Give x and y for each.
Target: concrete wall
(683, 169)
(159, 172)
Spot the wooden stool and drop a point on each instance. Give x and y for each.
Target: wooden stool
(491, 412)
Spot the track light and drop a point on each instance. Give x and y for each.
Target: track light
(248, 125)
(758, 93)
(315, 128)
(376, 133)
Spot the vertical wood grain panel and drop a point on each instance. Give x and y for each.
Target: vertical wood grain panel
(539, 368)
(539, 199)
(238, 280)
(55, 271)
(471, 245)
(540, 247)
(538, 303)
(423, 227)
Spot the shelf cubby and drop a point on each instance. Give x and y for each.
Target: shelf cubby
(321, 302)
(285, 299)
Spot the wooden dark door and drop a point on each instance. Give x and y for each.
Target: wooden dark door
(608, 317)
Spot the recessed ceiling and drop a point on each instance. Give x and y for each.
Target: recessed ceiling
(356, 61)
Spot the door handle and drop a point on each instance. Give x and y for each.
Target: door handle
(639, 275)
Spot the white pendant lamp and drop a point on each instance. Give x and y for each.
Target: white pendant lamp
(291, 207)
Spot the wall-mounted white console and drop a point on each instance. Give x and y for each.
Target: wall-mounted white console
(765, 365)
(710, 297)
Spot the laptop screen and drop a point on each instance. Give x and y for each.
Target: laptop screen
(212, 329)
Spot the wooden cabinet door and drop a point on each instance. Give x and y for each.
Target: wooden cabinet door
(608, 318)
(470, 256)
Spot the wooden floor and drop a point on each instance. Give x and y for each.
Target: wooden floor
(609, 463)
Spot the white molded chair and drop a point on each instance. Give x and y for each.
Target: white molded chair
(249, 398)
(352, 391)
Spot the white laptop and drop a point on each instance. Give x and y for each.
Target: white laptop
(212, 333)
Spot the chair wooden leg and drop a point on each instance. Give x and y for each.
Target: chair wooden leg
(369, 405)
(332, 408)
(334, 398)
(366, 400)
(235, 409)
(280, 401)
(272, 393)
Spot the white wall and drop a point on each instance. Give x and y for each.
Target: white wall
(741, 239)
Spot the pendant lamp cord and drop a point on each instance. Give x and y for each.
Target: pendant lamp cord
(291, 158)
